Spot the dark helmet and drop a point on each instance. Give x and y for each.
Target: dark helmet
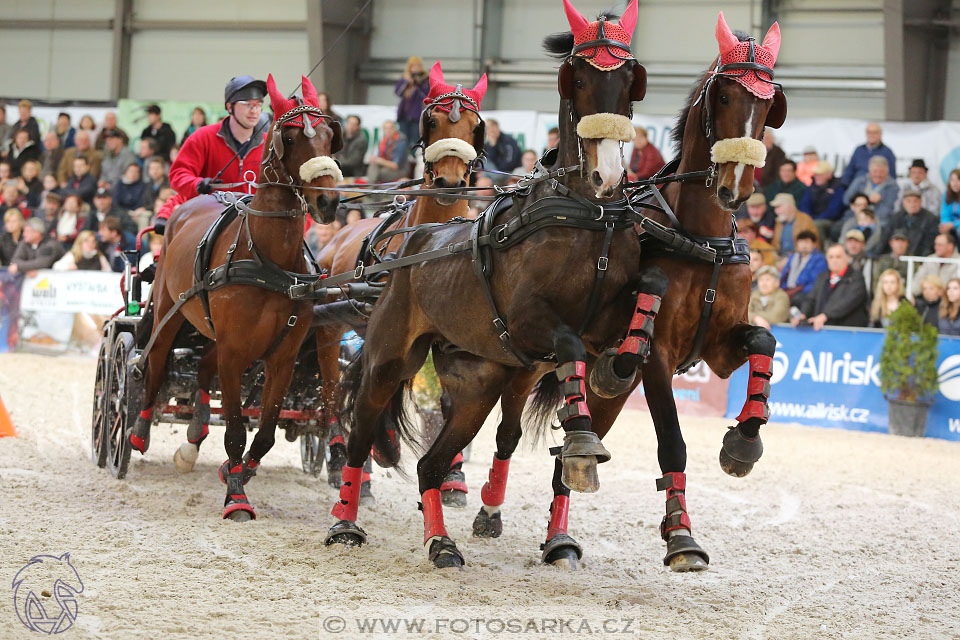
(244, 88)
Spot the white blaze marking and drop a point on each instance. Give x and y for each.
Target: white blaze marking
(609, 164)
(738, 170)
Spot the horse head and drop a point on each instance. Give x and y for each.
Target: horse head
(600, 80)
(452, 133)
(738, 99)
(301, 147)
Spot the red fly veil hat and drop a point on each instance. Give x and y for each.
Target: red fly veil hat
(733, 51)
(604, 57)
(439, 89)
(281, 105)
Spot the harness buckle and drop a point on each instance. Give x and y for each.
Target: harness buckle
(602, 263)
(291, 321)
(562, 171)
(358, 272)
(710, 296)
(501, 234)
(600, 217)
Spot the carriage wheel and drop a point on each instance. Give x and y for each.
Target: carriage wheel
(117, 420)
(98, 451)
(311, 453)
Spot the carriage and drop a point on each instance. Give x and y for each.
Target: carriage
(118, 389)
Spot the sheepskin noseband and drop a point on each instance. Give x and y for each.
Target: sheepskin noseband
(450, 147)
(743, 150)
(611, 126)
(320, 166)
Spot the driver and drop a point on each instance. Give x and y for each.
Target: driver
(221, 152)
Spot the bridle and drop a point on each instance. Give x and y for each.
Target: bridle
(729, 70)
(453, 102)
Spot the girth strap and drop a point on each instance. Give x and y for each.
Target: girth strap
(708, 299)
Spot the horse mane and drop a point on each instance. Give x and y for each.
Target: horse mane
(559, 45)
(681, 124)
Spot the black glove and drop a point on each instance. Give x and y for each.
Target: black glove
(204, 186)
(159, 224)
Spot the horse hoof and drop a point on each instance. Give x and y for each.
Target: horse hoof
(346, 533)
(580, 474)
(564, 558)
(448, 561)
(732, 466)
(444, 554)
(185, 457)
(240, 515)
(486, 525)
(687, 562)
(454, 498)
(604, 381)
(346, 539)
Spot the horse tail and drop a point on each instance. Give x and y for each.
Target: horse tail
(394, 424)
(542, 408)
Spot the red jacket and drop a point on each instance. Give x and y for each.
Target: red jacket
(646, 162)
(205, 153)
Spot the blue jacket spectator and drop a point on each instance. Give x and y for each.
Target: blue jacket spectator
(501, 149)
(860, 160)
(823, 199)
(881, 190)
(950, 202)
(802, 268)
(787, 183)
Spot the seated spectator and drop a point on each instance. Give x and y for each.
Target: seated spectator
(917, 223)
(87, 124)
(50, 185)
(30, 184)
(145, 150)
(802, 268)
(854, 244)
(323, 99)
(353, 215)
(928, 304)
(26, 122)
(110, 124)
(116, 160)
(787, 183)
(4, 131)
(6, 173)
(69, 221)
(749, 231)
(389, 163)
(318, 236)
(950, 309)
(760, 214)
(645, 159)
(11, 198)
(155, 243)
(950, 203)
(354, 149)
(83, 256)
(838, 298)
(155, 179)
(502, 151)
(553, 138)
(881, 190)
(865, 222)
(103, 207)
(484, 185)
(528, 162)
(769, 304)
(889, 295)
(823, 200)
(918, 180)
(756, 263)
(81, 182)
(65, 131)
(945, 247)
(198, 118)
(13, 222)
(82, 148)
(808, 165)
(21, 151)
(114, 241)
(159, 131)
(775, 157)
(790, 223)
(51, 154)
(49, 209)
(35, 251)
(859, 164)
(129, 191)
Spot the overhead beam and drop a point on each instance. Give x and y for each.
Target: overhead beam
(120, 71)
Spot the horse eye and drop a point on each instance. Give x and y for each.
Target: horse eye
(288, 141)
(578, 84)
(433, 123)
(724, 99)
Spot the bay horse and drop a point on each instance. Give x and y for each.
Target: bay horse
(452, 137)
(247, 322)
(546, 305)
(703, 313)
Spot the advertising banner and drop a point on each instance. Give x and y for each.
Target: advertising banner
(697, 392)
(832, 379)
(71, 292)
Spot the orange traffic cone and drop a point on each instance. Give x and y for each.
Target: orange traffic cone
(6, 425)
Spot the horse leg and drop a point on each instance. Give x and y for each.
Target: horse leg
(328, 354)
(231, 366)
(614, 371)
(488, 523)
(741, 444)
(155, 374)
(683, 553)
(582, 449)
(185, 457)
(471, 399)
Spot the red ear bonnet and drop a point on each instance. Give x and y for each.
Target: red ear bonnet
(734, 51)
(584, 31)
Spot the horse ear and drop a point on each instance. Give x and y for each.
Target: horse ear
(480, 89)
(309, 92)
(277, 102)
(565, 80)
(639, 87)
(725, 37)
(778, 111)
(574, 17)
(771, 41)
(336, 144)
(436, 75)
(629, 19)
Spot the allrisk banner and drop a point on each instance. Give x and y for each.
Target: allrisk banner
(831, 378)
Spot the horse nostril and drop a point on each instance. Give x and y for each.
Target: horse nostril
(440, 183)
(597, 180)
(461, 184)
(725, 193)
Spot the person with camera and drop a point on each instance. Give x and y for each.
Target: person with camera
(412, 89)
